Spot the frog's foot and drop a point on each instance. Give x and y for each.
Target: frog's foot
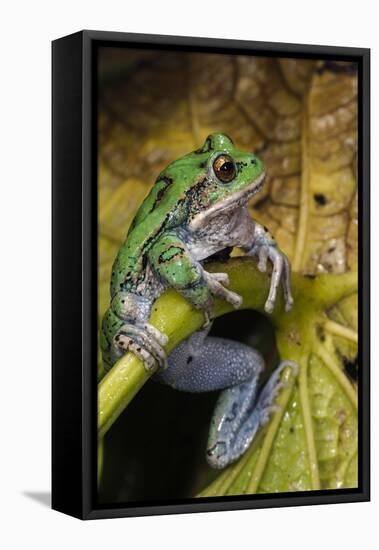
(233, 425)
(281, 273)
(144, 341)
(215, 283)
(239, 415)
(161, 338)
(266, 402)
(265, 248)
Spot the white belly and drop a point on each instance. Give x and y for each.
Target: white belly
(233, 229)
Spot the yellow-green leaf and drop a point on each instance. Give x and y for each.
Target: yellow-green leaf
(300, 116)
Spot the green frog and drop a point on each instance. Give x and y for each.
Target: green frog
(196, 209)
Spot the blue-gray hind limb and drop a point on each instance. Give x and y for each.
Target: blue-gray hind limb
(202, 364)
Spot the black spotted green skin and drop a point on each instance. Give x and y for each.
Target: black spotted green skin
(176, 268)
(180, 192)
(155, 254)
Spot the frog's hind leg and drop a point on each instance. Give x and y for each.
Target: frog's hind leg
(239, 414)
(203, 364)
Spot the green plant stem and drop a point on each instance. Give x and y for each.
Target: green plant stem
(176, 318)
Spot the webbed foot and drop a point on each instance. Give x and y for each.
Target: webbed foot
(144, 341)
(239, 415)
(266, 402)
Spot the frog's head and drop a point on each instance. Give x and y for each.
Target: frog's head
(226, 178)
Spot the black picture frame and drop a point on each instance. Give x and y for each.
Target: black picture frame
(74, 272)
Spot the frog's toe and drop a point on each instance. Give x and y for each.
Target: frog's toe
(234, 299)
(266, 413)
(107, 366)
(217, 456)
(143, 344)
(125, 343)
(221, 278)
(266, 402)
(216, 287)
(160, 337)
(207, 319)
(269, 306)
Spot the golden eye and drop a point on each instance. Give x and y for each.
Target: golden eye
(224, 168)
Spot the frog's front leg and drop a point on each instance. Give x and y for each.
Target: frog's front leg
(125, 328)
(216, 282)
(264, 247)
(202, 364)
(175, 267)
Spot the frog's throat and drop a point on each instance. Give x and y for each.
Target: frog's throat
(232, 202)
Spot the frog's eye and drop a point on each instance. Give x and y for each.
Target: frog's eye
(224, 168)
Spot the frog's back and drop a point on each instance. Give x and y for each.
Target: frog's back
(163, 208)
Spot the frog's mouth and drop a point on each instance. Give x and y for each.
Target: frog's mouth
(229, 204)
